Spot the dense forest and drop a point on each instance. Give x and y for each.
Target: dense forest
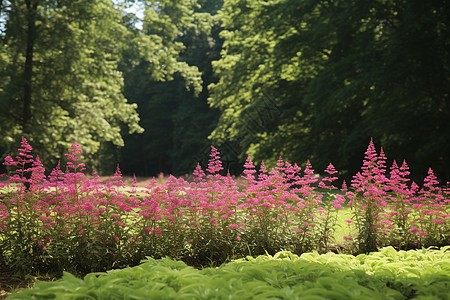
(301, 79)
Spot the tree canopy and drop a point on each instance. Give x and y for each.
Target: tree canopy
(177, 121)
(304, 79)
(62, 71)
(338, 73)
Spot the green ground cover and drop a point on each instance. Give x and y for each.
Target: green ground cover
(387, 274)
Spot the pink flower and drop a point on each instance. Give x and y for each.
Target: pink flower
(330, 169)
(198, 173)
(249, 169)
(214, 165)
(344, 186)
(9, 161)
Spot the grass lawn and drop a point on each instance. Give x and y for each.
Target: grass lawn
(342, 226)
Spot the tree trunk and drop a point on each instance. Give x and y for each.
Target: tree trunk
(28, 71)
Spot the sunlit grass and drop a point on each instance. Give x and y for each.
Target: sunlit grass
(342, 227)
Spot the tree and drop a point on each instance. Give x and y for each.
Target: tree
(62, 75)
(336, 73)
(63, 83)
(177, 121)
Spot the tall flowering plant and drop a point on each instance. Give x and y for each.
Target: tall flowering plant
(20, 210)
(264, 201)
(431, 211)
(213, 212)
(329, 210)
(388, 211)
(369, 202)
(398, 217)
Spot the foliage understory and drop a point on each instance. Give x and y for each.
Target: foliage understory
(69, 222)
(387, 274)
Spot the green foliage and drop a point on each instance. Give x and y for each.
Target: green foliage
(164, 22)
(61, 71)
(387, 274)
(75, 90)
(301, 79)
(177, 121)
(337, 72)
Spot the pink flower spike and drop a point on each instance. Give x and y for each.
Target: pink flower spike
(198, 173)
(25, 146)
(134, 181)
(9, 161)
(117, 174)
(381, 161)
(431, 179)
(249, 169)
(263, 168)
(215, 164)
(308, 169)
(330, 169)
(344, 186)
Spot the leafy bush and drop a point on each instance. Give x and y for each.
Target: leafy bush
(67, 221)
(388, 274)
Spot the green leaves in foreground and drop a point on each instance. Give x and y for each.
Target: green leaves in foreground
(388, 274)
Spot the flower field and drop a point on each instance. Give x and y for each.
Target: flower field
(67, 221)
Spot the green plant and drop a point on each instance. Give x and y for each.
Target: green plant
(387, 274)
